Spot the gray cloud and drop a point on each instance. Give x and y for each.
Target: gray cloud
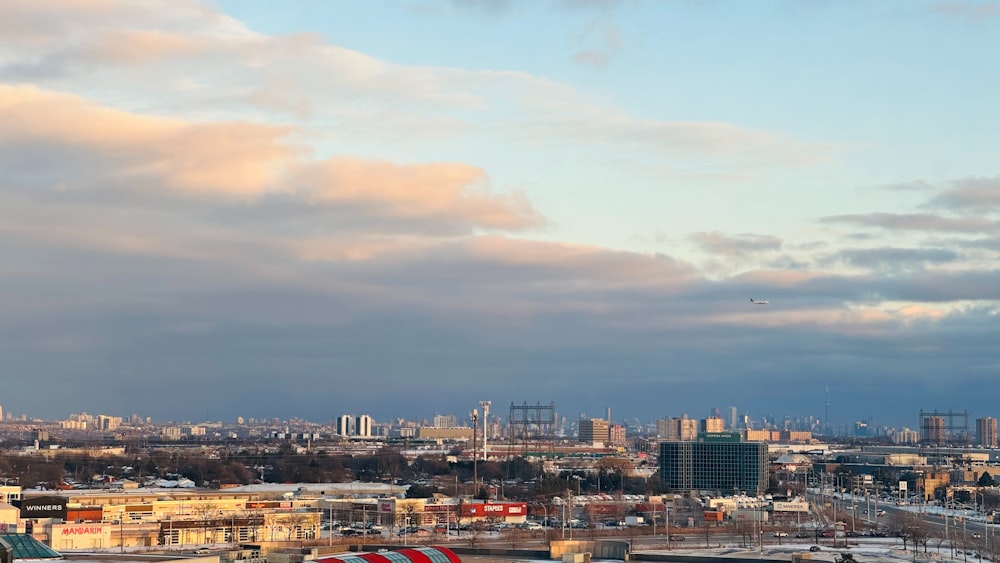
(971, 195)
(916, 222)
(967, 11)
(715, 242)
(895, 259)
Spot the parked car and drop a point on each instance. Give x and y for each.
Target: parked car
(674, 537)
(202, 551)
(780, 534)
(815, 548)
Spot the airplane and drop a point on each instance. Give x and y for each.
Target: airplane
(759, 302)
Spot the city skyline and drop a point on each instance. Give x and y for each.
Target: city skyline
(222, 207)
(950, 425)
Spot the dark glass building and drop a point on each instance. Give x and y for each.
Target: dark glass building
(720, 466)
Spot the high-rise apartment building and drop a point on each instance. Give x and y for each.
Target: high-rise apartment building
(687, 428)
(932, 430)
(616, 434)
(677, 429)
(594, 431)
(345, 425)
(986, 431)
(906, 436)
(713, 424)
(363, 426)
(724, 466)
(445, 421)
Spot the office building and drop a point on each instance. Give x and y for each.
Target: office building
(594, 431)
(720, 464)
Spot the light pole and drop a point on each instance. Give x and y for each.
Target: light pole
(121, 531)
(475, 453)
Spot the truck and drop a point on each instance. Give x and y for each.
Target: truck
(712, 516)
(635, 521)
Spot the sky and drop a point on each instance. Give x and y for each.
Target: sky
(213, 209)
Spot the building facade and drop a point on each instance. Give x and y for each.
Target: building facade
(345, 425)
(713, 424)
(594, 431)
(986, 431)
(363, 426)
(720, 466)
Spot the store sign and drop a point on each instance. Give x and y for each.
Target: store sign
(82, 531)
(495, 509)
(43, 507)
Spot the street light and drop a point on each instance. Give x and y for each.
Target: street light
(475, 452)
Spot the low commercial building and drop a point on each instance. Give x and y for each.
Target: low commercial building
(147, 518)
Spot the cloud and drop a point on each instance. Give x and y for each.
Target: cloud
(715, 242)
(192, 58)
(915, 222)
(601, 41)
(236, 158)
(491, 7)
(894, 259)
(241, 161)
(441, 190)
(972, 12)
(971, 195)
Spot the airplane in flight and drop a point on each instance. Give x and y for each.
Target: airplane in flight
(759, 301)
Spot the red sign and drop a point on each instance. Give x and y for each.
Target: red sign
(82, 531)
(495, 509)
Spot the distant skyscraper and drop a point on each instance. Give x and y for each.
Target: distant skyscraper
(345, 425)
(986, 431)
(732, 418)
(363, 426)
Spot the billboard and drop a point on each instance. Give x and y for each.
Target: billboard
(43, 507)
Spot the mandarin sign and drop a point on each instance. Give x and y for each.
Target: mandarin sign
(82, 530)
